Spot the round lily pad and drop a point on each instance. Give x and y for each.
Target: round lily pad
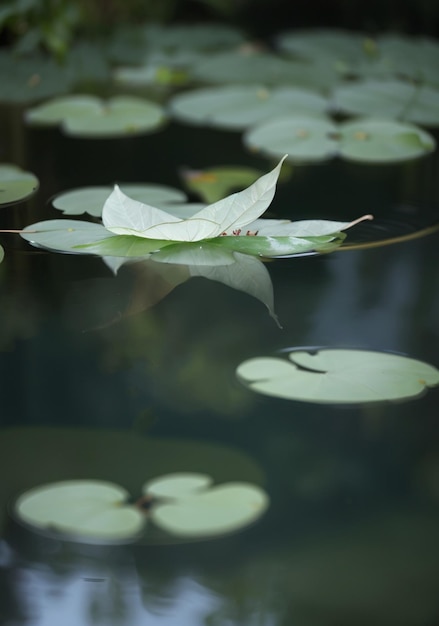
(15, 184)
(91, 495)
(415, 58)
(87, 116)
(250, 67)
(303, 138)
(83, 510)
(383, 141)
(336, 376)
(208, 512)
(392, 98)
(92, 199)
(192, 37)
(241, 106)
(308, 139)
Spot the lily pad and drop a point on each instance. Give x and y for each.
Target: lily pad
(340, 46)
(415, 58)
(336, 376)
(15, 184)
(202, 510)
(122, 462)
(214, 183)
(202, 37)
(392, 98)
(309, 139)
(182, 504)
(83, 510)
(92, 199)
(250, 67)
(242, 106)
(24, 79)
(88, 116)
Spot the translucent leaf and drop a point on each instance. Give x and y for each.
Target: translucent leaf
(242, 106)
(15, 184)
(338, 376)
(85, 510)
(122, 215)
(91, 200)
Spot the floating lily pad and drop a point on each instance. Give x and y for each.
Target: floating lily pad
(308, 139)
(254, 67)
(15, 184)
(338, 376)
(24, 79)
(383, 141)
(183, 504)
(192, 37)
(121, 462)
(83, 510)
(394, 99)
(415, 58)
(342, 47)
(241, 106)
(214, 183)
(92, 199)
(88, 116)
(202, 510)
(2, 254)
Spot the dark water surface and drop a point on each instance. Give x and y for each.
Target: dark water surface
(124, 378)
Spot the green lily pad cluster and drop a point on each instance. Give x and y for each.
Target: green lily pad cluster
(312, 138)
(184, 505)
(89, 116)
(336, 376)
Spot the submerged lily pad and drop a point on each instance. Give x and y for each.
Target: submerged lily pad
(338, 376)
(214, 183)
(392, 98)
(308, 139)
(241, 106)
(92, 199)
(15, 184)
(88, 116)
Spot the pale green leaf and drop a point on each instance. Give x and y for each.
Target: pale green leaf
(85, 510)
(338, 376)
(217, 511)
(176, 485)
(241, 106)
(15, 184)
(91, 200)
(121, 215)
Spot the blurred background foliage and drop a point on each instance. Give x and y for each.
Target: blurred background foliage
(53, 25)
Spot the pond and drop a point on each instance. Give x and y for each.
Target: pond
(203, 442)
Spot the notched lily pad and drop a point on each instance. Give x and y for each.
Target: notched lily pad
(308, 139)
(183, 504)
(88, 116)
(394, 99)
(15, 184)
(336, 376)
(239, 107)
(91, 200)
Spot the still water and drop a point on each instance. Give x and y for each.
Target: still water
(129, 377)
